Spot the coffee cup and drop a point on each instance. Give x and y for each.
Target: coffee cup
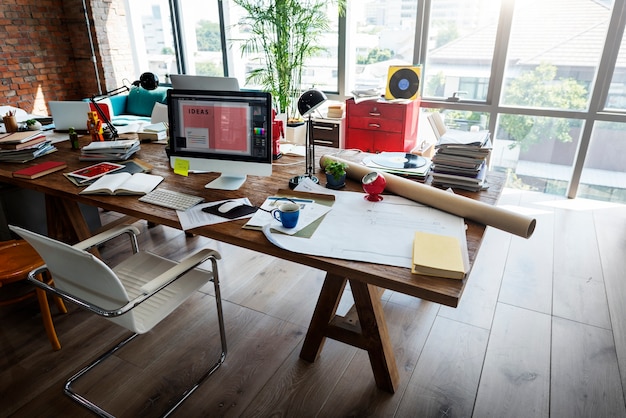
(287, 214)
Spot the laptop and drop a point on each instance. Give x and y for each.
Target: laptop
(69, 114)
(203, 82)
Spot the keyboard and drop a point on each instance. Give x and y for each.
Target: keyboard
(171, 199)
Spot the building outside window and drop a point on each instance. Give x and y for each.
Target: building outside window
(546, 77)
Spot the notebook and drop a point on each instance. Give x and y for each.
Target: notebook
(69, 114)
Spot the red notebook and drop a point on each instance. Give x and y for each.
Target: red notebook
(39, 170)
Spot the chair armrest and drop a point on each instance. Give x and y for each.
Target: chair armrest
(108, 235)
(178, 270)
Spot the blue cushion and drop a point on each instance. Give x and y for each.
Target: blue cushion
(141, 101)
(119, 104)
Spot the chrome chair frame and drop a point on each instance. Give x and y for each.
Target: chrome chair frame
(155, 286)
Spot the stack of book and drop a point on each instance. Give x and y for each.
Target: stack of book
(24, 146)
(118, 150)
(157, 132)
(460, 160)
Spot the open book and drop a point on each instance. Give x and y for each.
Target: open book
(124, 184)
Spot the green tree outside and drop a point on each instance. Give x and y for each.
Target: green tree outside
(376, 55)
(541, 88)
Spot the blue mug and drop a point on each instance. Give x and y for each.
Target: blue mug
(287, 214)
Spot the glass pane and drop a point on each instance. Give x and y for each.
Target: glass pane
(151, 32)
(616, 99)
(553, 65)
(536, 152)
(202, 42)
(319, 70)
(462, 36)
(604, 172)
(380, 34)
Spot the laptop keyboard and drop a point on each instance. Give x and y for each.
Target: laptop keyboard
(171, 199)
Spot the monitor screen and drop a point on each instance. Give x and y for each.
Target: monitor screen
(221, 132)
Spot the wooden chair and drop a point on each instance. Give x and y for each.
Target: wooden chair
(17, 260)
(136, 294)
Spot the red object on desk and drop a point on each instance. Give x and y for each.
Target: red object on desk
(376, 126)
(374, 184)
(39, 170)
(278, 132)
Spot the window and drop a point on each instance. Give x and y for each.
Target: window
(553, 65)
(546, 77)
(380, 34)
(152, 37)
(460, 48)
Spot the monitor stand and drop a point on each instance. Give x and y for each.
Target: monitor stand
(225, 182)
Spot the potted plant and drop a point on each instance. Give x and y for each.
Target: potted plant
(335, 174)
(73, 138)
(283, 34)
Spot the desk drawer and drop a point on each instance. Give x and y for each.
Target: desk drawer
(375, 124)
(377, 110)
(326, 133)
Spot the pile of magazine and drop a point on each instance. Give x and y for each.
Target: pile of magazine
(460, 160)
(19, 147)
(119, 150)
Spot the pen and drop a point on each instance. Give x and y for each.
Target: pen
(291, 199)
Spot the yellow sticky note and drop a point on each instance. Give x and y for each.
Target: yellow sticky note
(181, 167)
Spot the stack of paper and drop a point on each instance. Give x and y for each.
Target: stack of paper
(439, 255)
(119, 150)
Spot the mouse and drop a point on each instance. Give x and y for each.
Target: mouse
(229, 206)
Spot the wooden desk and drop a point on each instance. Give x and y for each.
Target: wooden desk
(366, 280)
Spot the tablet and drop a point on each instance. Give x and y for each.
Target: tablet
(95, 171)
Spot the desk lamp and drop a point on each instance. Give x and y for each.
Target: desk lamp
(148, 81)
(307, 103)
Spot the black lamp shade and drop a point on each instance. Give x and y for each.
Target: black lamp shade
(310, 100)
(148, 81)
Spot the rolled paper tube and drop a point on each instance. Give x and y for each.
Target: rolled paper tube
(465, 207)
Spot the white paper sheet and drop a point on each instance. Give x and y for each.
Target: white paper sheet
(194, 216)
(309, 213)
(376, 232)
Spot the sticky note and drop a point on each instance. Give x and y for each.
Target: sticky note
(181, 167)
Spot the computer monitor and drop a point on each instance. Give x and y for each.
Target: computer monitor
(203, 82)
(222, 132)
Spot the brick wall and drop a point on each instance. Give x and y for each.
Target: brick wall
(45, 52)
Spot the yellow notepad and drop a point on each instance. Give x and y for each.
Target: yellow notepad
(438, 255)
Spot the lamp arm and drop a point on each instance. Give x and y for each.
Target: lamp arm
(111, 93)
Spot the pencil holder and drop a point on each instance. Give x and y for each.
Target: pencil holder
(10, 123)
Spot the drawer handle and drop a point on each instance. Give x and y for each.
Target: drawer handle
(323, 142)
(325, 128)
(374, 125)
(374, 113)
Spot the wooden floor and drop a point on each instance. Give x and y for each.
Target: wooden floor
(540, 332)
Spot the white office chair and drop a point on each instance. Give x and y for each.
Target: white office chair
(136, 294)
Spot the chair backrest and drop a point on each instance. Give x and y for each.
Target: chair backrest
(78, 272)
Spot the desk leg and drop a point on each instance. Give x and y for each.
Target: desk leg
(369, 333)
(65, 221)
(322, 316)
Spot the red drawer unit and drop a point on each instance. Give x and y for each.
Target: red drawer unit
(374, 126)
